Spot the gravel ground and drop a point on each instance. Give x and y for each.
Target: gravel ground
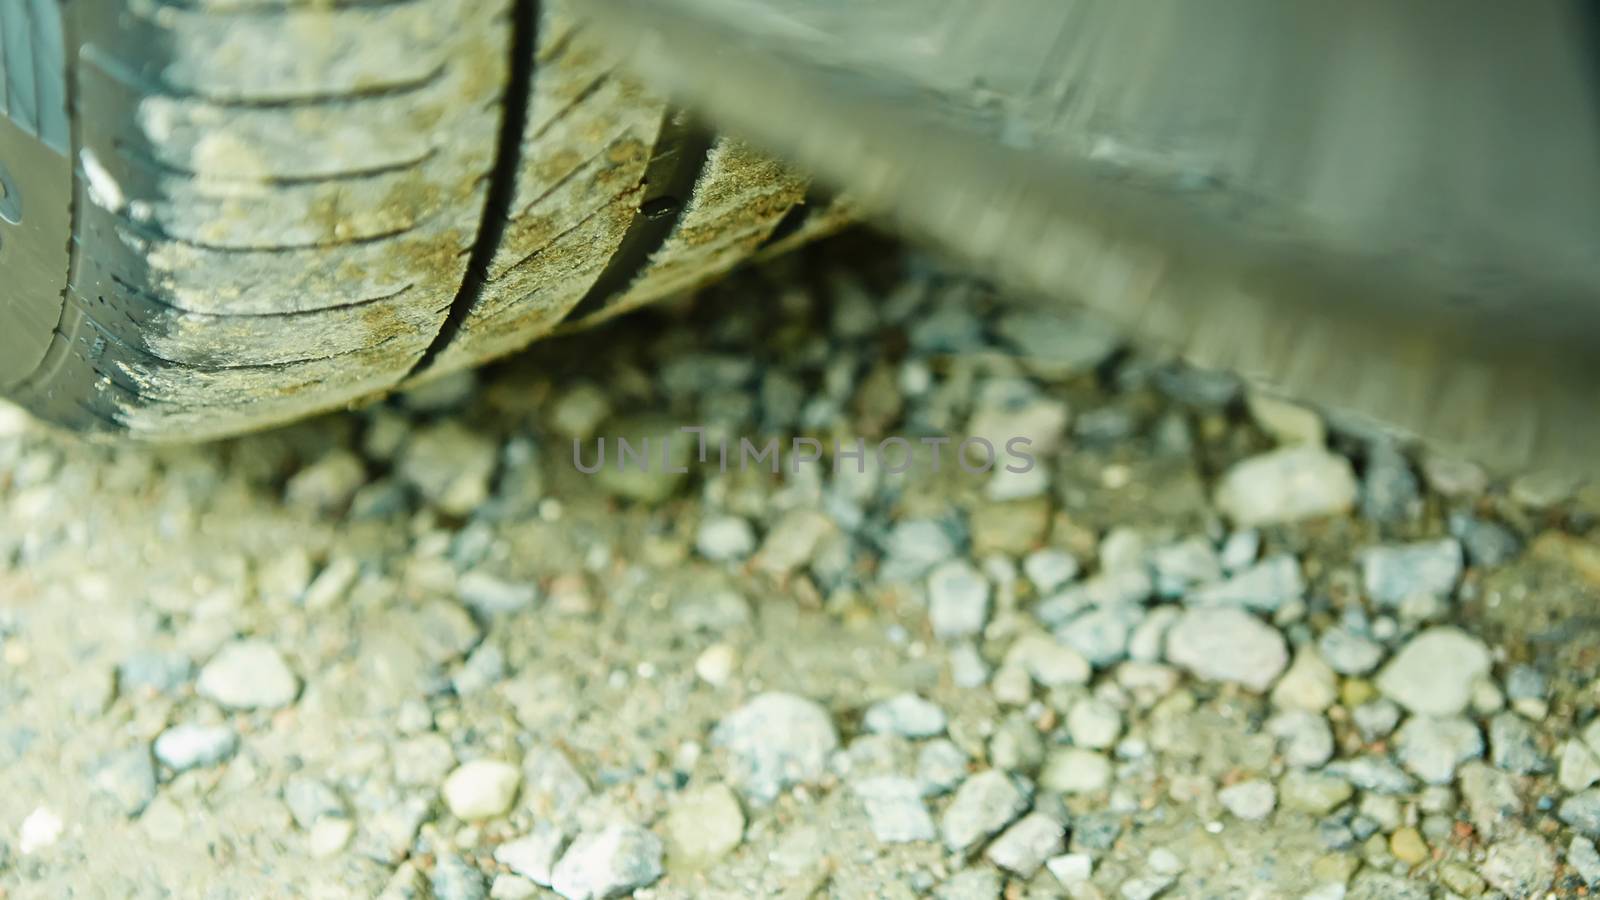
(1211, 645)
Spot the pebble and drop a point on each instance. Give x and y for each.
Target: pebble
(450, 466)
(491, 596)
(326, 486)
(1579, 766)
(1582, 812)
(1101, 635)
(716, 664)
(971, 884)
(1228, 645)
(906, 715)
(1372, 773)
(1434, 672)
(1431, 748)
(1049, 569)
(609, 862)
(248, 674)
(1071, 869)
(1408, 846)
(1023, 848)
(725, 538)
(913, 547)
(534, 855)
(1389, 489)
(1376, 719)
(1048, 662)
(310, 799)
(1514, 747)
(153, 671)
(1313, 792)
(329, 836)
(775, 741)
(481, 789)
(1305, 737)
(184, 747)
(1072, 770)
(894, 809)
(1057, 345)
(984, 804)
(1491, 798)
(1145, 887)
(1393, 574)
(1487, 543)
(1348, 652)
(1287, 422)
(454, 878)
(1251, 801)
(941, 767)
(1094, 724)
(1286, 485)
(1309, 684)
(40, 829)
(1180, 566)
(1520, 865)
(1585, 861)
(958, 600)
(1266, 586)
(705, 824)
(128, 777)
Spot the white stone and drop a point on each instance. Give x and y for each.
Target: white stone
(248, 674)
(481, 789)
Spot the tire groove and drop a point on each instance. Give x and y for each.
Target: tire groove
(149, 162)
(524, 42)
(117, 70)
(154, 300)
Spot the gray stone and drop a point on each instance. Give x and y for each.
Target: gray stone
(1389, 489)
(1286, 485)
(483, 669)
(1348, 652)
(941, 767)
(455, 879)
(1145, 887)
(128, 777)
(906, 715)
(1305, 737)
(1309, 684)
(1514, 747)
(775, 741)
(1520, 865)
(1579, 766)
(608, 862)
(1049, 569)
(984, 804)
(1229, 645)
(705, 824)
(1265, 586)
(492, 596)
(1376, 719)
(725, 538)
(1071, 869)
(1585, 861)
(533, 856)
(1434, 672)
(913, 547)
(310, 799)
(1251, 801)
(184, 747)
(971, 884)
(894, 809)
(1023, 848)
(248, 674)
(1180, 566)
(958, 600)
(149, 670)
(1372, 773)
(1048, 662)
(1073, 770)
(450, 466)
(1093, 723)
(1316, 793)
(1432, 747)
(1056, 345)
(1101, 635)
(1491, 798)
(1582, 812)
(1487, 543)
(1392, 574)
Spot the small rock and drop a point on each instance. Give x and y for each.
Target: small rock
(716, 664)
(492, 596)
(185, 747)
(1227, 644)
(310, 799)
(1579, 767)
(704, 825)
(1582, 812)
(1047, 662)
(1349, 653)
(1049, 569)
(248, 674)
(40, 829)
(1433, 673)
(1265, 586)
(456, 879)
(1432, 747)
(906, 715)
(534, 855)
(327, 485)
(1309, 684)
(1376, 719)
(578, 411)
(1513, 746)
(1286, 485)
(128, 777)
(1408, 846)
(984, 804)
(1145, 887)
(1585, 861)
(1454, 477)
(1520, 865)
(941, 767)
(1313, 792)
(1491, 798)
(1094, 724)
(1179, 567)
(912, 548)
(1288, 423)
(1372, 773)
(725, 538)
(774, 741)
(1057, 345)
(1306, 738)
(1488, 544)
(450, 466)
(1102, 634)
(609, 862)
(1389, 489)
(481, 789)
(971, 884)
(1251, 801)
(894, 809)
(1071, 770)
(1393, 574)
(329, 836)
(1071, 869)
(1024, 847)
(161, 673)
(958, 600)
